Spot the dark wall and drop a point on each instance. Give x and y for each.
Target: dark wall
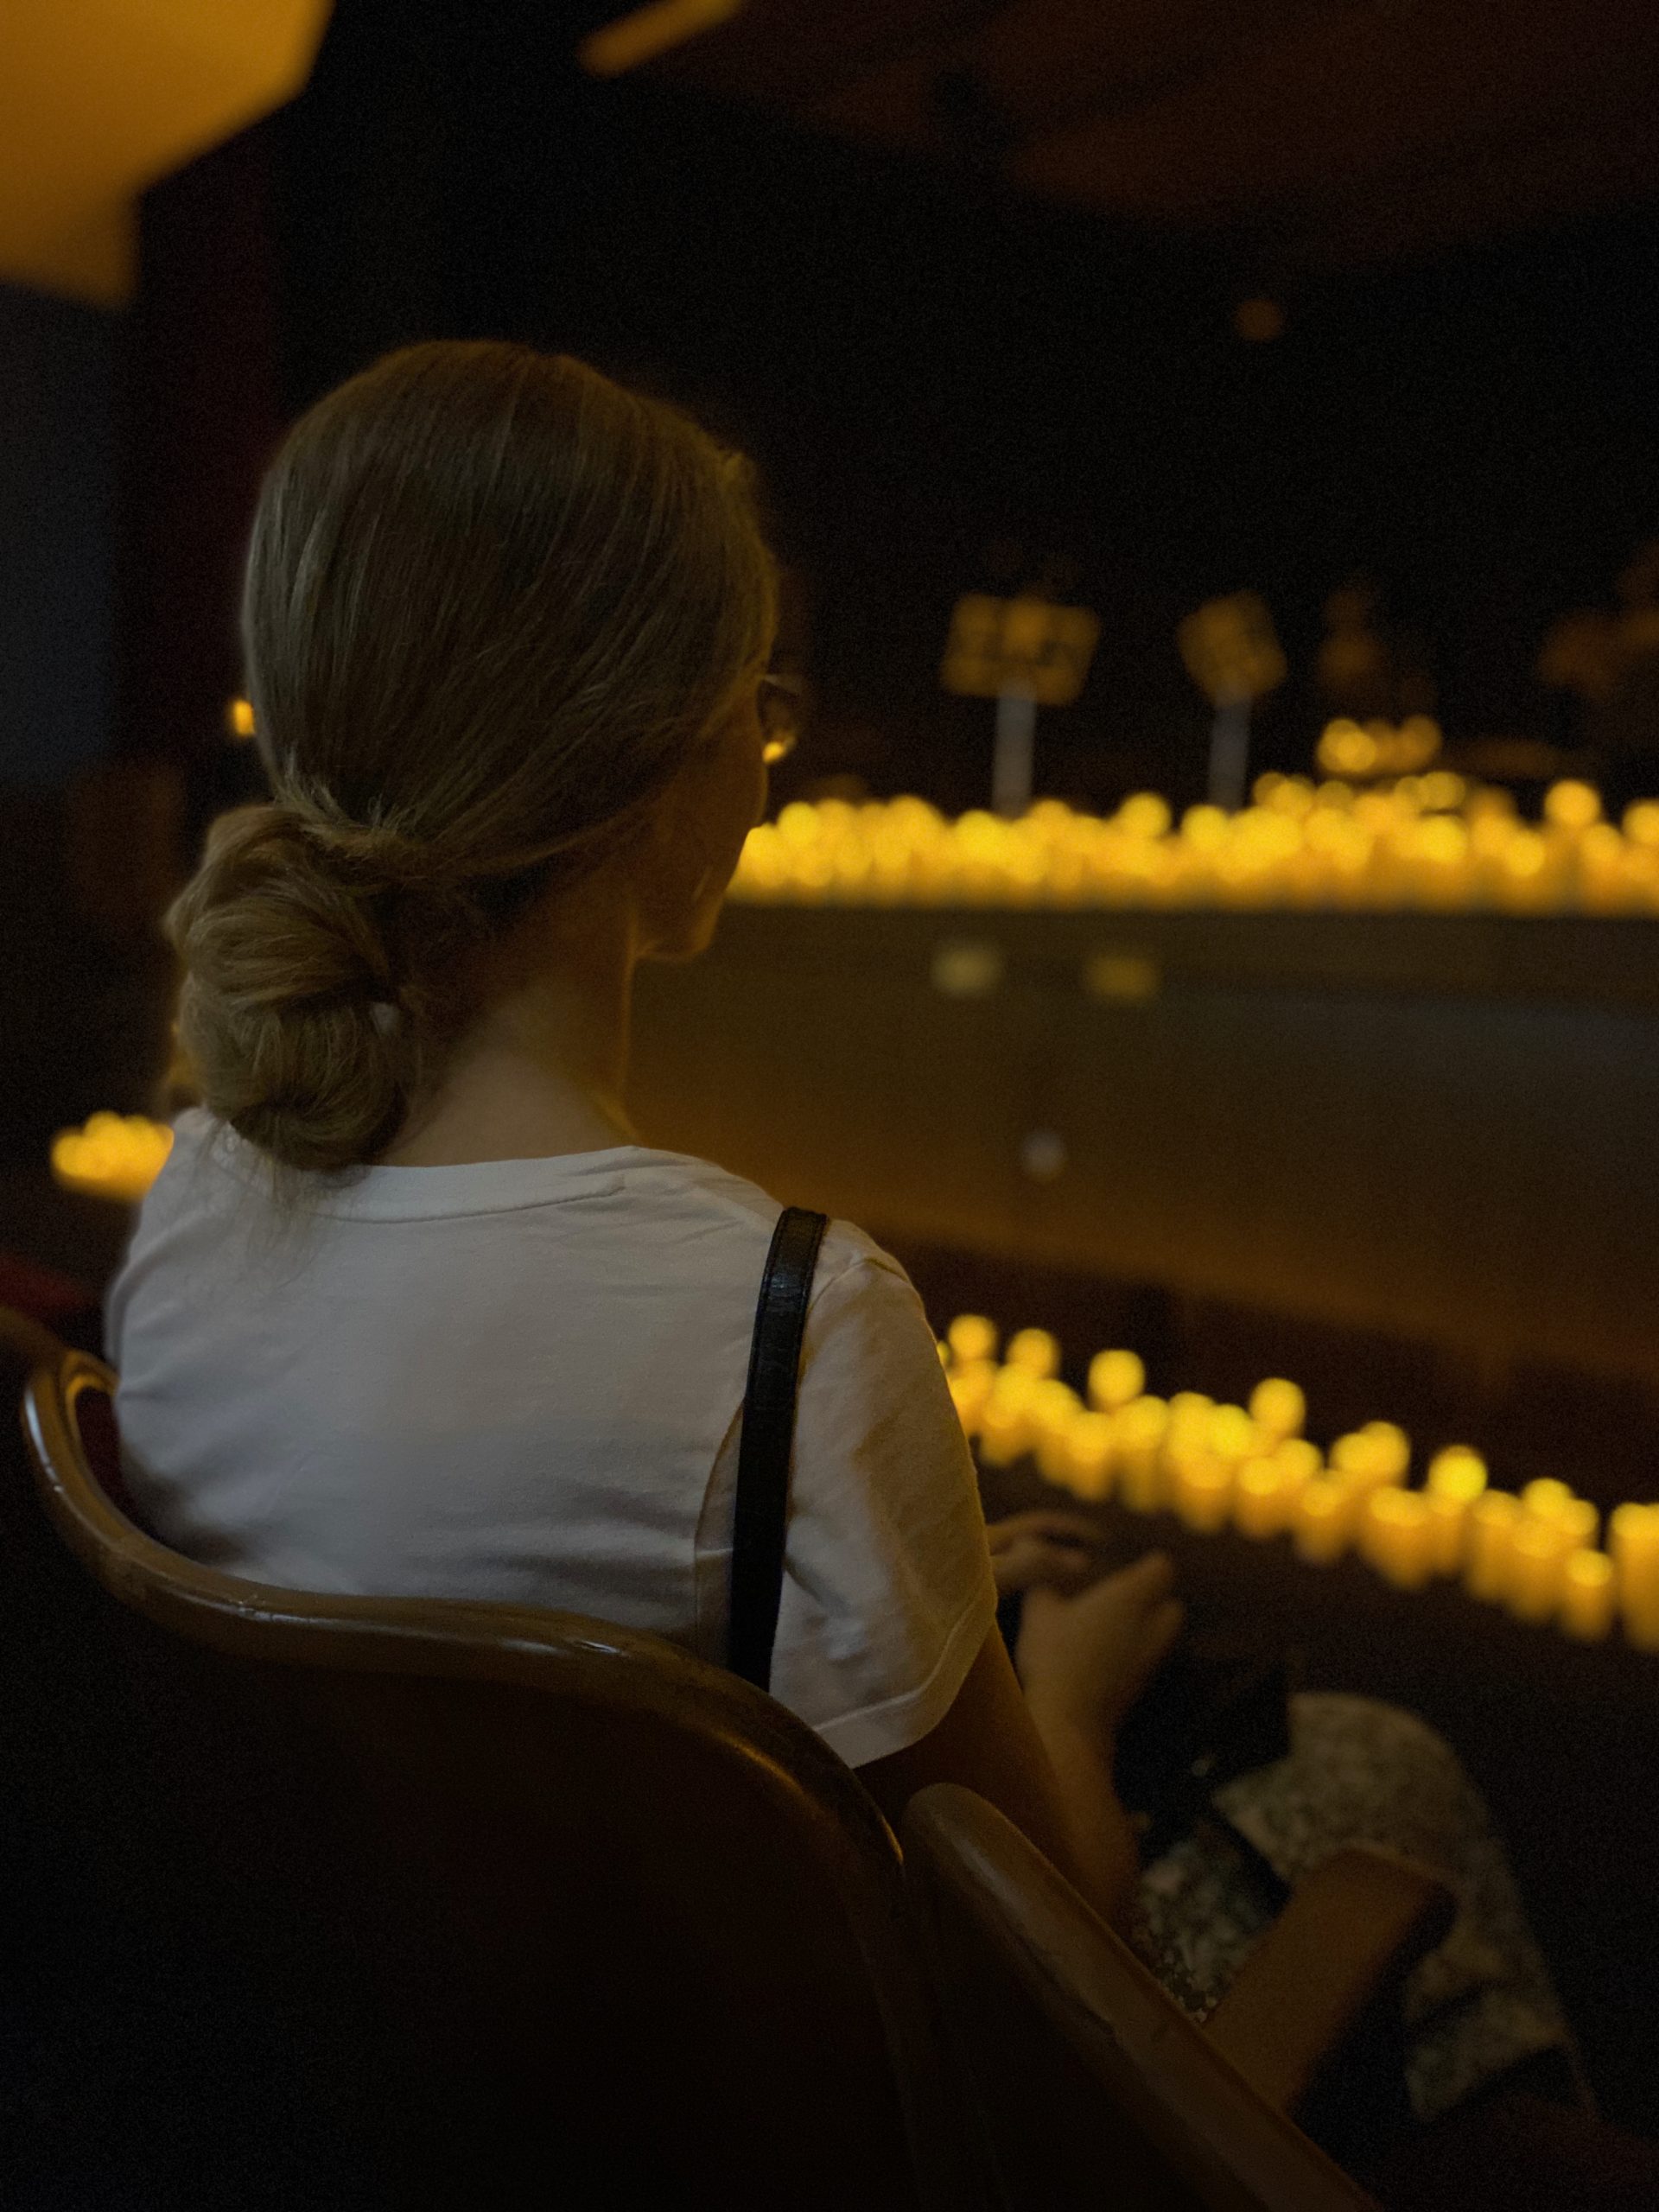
(948, 389)
(57, 536)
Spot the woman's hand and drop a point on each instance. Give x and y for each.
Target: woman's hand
(1084, 1660)
(1055, 1551)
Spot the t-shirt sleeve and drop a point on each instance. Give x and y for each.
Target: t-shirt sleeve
(887, 1590)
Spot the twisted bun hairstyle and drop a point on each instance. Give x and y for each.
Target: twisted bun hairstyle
(493, 603)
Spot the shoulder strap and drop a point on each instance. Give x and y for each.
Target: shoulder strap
(768, 1434)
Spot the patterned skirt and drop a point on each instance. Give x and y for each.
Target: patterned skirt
(1360, 1771)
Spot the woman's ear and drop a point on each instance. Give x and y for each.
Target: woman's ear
(694, 840)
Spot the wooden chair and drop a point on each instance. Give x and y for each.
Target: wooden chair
(1090, 2078)
(476, 1905)
(377, 1902)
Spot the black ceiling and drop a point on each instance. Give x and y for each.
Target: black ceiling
(1321, 129)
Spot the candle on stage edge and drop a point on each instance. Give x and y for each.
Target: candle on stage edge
(1115, 1378)
(1053, 1409)
(1455, 1479)
(970, 1388)
(1204, 1492)
(1633, 1538)
(1278, 1408)
(1036, 1351)
(1004, 1433)
(1390, 1450)
(971, 1337)
(1588, 1595)
(1534, 1589)
(1458, 1471)
(1320, 1520)
(1142, 1427)
(1490, 1533)
(1448, 1518)
(1262, 1497)
(1398, 1537)
(1091, 1445)
(1545, 1495)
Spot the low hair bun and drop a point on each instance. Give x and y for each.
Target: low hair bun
(287, 1011)
(494, 607)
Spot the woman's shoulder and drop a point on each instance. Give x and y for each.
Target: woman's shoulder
(847, 1251)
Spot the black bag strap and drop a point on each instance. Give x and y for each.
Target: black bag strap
(768, 1435)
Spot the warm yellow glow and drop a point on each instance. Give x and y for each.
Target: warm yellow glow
(1278, 1408)
(1383, 748)
(113, 1156)
(971, 1335)
(1430, 842)
(1533, 1586)
(1026, 644)
(1573, 805)
(238, 719)
(1489, 1535)
(1457, 1472)
(1115, 1378)
(99, 99)
(1320, 1522)
(1262, 1497)
(642, 34)
(1587, 1596)
(1034, 1348)
(1220, 1466)
(1397, 1537)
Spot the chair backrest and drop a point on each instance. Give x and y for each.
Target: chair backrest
(543, 1910)
(1086, 2070)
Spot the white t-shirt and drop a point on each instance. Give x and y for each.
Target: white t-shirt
(523, 1380)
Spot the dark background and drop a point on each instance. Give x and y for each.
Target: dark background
(948, 385)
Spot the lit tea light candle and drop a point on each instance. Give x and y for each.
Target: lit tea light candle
(1447, 1522)
(1053, 1407)
(1142, 1427)
(1262, 1496)
(1395, 1536)
(1491, 1528)
(971, 1337)
(1320, 1521)
(1534, 1590)
(1391, 1456)
(1278, 1408)
(1004, 1432)
(1115, 1378)
(1457, 1472)
(1546, 1496)
(1091, 1449)
(1588, 1595)
(971, 1382)
(1231, 1435)
(1036, 1351)
(1633, 1535)
(1456, 1478)
(1204, 1492)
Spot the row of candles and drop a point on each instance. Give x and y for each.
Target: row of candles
(1250, 1467)
(1431, 841)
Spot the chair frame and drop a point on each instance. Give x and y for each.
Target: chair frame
(588, 1662)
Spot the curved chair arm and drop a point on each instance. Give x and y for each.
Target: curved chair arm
(1090, 2081)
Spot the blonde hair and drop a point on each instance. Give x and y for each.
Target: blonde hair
(494, 604)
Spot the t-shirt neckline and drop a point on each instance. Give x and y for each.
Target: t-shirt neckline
(461, 1186)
